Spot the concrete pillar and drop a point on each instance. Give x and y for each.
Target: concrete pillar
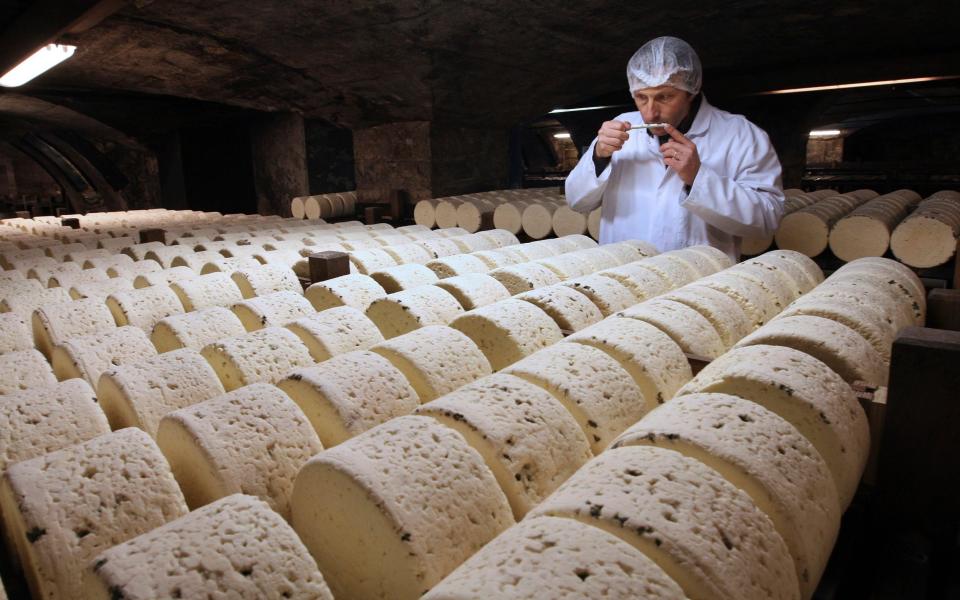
(279, 153)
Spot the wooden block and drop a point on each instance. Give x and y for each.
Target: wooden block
(371, 214)
(943, 309)
(153, 235)
(919, 463)
(328, 264)
(71, 222)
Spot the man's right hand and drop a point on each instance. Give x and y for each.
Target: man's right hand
(611, 138)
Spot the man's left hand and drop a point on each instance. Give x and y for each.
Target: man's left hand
(681, 155)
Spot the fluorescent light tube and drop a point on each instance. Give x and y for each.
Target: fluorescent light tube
(40, 61)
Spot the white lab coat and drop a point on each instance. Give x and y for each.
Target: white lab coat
(737, 192)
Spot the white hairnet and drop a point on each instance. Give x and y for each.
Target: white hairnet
(665, 61)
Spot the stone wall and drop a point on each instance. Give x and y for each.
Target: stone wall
(468, 160)
(330, 162)
(396, 156)
(279, 154)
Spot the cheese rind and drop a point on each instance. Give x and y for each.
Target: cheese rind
(527, 438)
(145, 307)
(54, 323)
(88, 356)
(644, 283)
(406, 311)
(722, 311)
(606, 293)
(206, 291)
(357, 291)
(267, 355)
(266, 279)
(336, 331)
(275, 309)
(524, 277)
(195, 329)
(685, 326)
(15, 334)
(256, 553)
(704, 532)
(252, 440)
(508, 330)
(474, 290)
(404, 277)
(392, 511)
(569, 309)
(549, 557)
(459, 264)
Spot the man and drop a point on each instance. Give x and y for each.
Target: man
(705, 177)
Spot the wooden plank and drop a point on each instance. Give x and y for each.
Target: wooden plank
(874, 403)
(943, 309)
(328, 264)
(153, 235)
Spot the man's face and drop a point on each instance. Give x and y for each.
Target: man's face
(663, 104)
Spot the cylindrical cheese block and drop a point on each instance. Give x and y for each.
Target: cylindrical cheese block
(643, 282)
(459, 264)
(527, 438)
(470, 214)
(763, 455)
(439, 247)
(229, 265)
(655, 361)
(43, 274)
(144, 307)
(13, 289)
(894, 303)
(524, 277)
(446, 212)
(23, 304)
(266, 280)
(719, 258)
(101, 289)
(873, 321)
(549, 557)
(567, 221)
(537, 219)
(509, 216)
(894, 274)
(928, 237)
(139, 394)
(500, 237)
(88, 356)
(473, 243)
(349, 394)
(272, 310)
(258, 555)
(628, 252)
(435, 360)
(703, 531)
(408, 310)
(474, 289)
(569, 309)
(407, 253)
(163, 277)
(675, 270)
(805, 392)
(205, 291)
(599, 258)
(54, 323)
(688, 328)
(196, 329)
(195, 260)
(391, 512)
(606, 293)
(297, 207)
(356, 291)
(508, 330)
(724, 314)
(15, 334)
(425, 213)
(593, 387)
(404, 277)
(34, 422)
(166, 254)
(752, 246)
(841, 348)
(336, 331)
(566, 266)
(252, 440)
(267, 355)
(757, 303)
(64, 508)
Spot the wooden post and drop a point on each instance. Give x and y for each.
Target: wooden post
(153, 235)
(943, 309)
(371, 214)
(71, 222)
(328, 264)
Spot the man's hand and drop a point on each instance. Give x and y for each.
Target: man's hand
(611, 137)
(681, 154)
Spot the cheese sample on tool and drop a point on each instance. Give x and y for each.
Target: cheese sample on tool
(267, 355)
(139, 394)
(391, 512)
(508, 330)
(406, 311)
(527, 438)
(803, 391)
(62, 509)
(195, 329)
(272, 310)
(88, 356)
(703, 531)
(350, 394)
(549, 557)
(591, 385)
(435, 360)
(258, 551)
(252, 440)
(763, 455)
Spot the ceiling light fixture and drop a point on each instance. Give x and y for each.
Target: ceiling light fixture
(847, 86)
(562, 136)
(40, 61)
(823, 133)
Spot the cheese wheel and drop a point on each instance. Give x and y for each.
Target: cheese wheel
(459, 264)
(593, 223)
(758, 304)
(550, 557)
(566, 266)
(537, 219)
(508, 330)
(335, 331)
(895, 303)
(14, 289)
(599, 258)
(356, 291)
(54, 323)
(64, 508)
(101, 289)
(569, 243)
(841, 348)
(166, 254)
(703, 531)
(43, 274)
(229, 265)
(928, 237)
(88, 356)
(407, 253)
(500, 238)
(495, 259)
(349, 394)
(144, 307)
(722, 311)
(298, 208)
(871, 320)
(718, 257)
(626, 253)
(206, 291)
(196, 329)
(368, 260)
(752, 246)
(655, 361)
(439, 247)
(509, 216)
(404, 277)
(686, 327)
(761, 454)
(567, 221)
(606, 293)
(266, 280)
(524, 277)
(435, 360)
(163, 277)
(36, 421)
(470, 214)
(600, 394)
(405, 311)
(252, 440)
(258, 555)
(196, 260)
(267, 355)
(804, 391)
(891, 271)
(473, 243)
(805, 231)
(425, 213)
(446, 212)
(58, 252)
(569, 309)
(644, 283)
(391, 512)
(272, 310)
(139, 394)
(672, 268)
(15, 334)
(474, 290)
(525, 435)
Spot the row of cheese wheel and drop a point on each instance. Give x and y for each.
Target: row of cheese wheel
(794, 200)
(324, 206)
